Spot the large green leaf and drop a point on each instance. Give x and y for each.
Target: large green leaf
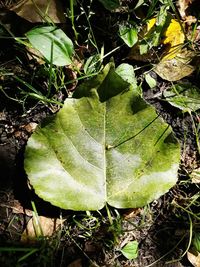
(52, 43)
(107, 146)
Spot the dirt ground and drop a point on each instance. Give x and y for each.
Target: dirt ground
(161, 228)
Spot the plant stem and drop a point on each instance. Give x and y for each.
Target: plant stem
(72, 19)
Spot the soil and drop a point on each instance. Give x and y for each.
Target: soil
(162, 228)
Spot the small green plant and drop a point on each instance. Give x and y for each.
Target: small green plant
(72, 17)
(186, 97)
(196, 241)
(87, 223)
(53, 44)
(129, 34)
(130, 250)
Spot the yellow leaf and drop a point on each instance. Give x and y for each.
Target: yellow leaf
(150, 24)
(174, 37)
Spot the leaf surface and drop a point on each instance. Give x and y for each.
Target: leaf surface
(106, 146)
(130, 250)
(110, 4)
(128, 35)
(194, 258)
(184, 96)
(40, 11)
(176, 68)
(126, 72)
(52, 43)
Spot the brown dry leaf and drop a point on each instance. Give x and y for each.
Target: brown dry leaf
(76, 263)
(182, 7)
(40, 10)
(190, 19)
(30, 127)
(132, 213)
(194, 259)
(176, 68)
(195, 176)
(148, 57)
(33, 53)
(40, 226)
(17, 208)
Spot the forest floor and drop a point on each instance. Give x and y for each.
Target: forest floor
(164, 229)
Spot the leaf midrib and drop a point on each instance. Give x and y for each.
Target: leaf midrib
(104, 149)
